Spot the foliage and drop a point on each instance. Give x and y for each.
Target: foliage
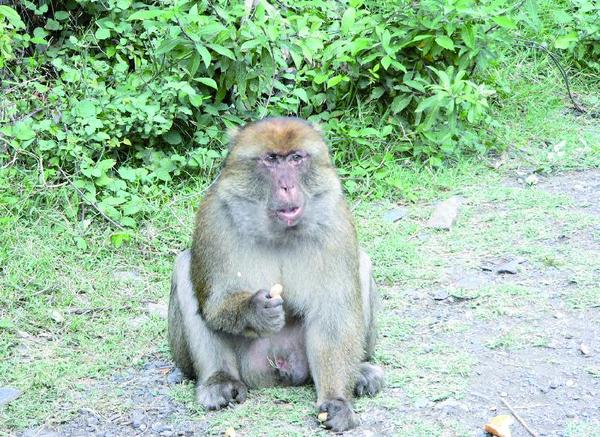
(120, 97)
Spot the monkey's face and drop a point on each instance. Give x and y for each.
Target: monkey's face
(278, 181)
(286, 203)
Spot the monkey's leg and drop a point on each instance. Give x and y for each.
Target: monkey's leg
(370, 379)
(197, 350)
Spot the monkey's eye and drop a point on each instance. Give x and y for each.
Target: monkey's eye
(296, 157)
(271, 158)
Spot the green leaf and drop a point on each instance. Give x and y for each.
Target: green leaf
(386, 62)
(204, 53)
(105, 164)
(335, 80)
(348, 20)
(564, 41)
(127, 173)
(445, 42)
(504, 21)
(195, 100)
(208, 82)
(468, 36)
(400, 102)
(61, 15)
(224, 51)
(12, 16)
(23, 131)
(102, 33)
(301, 93)
(119, 238)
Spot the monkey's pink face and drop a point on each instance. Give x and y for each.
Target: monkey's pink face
(287, 200)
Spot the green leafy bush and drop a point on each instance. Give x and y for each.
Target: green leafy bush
(120, 97)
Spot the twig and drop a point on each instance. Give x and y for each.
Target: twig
(519, 418)
(88, 201)
(562, 71)
(83, 311)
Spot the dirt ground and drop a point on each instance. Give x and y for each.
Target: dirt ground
(538, 350)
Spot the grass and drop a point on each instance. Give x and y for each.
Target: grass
(69, 320)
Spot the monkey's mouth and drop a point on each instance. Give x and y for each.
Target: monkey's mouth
(290, 216)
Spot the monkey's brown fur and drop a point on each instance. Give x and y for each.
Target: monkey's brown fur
(276, 215)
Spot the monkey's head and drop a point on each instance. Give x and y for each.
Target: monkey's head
(278, 179)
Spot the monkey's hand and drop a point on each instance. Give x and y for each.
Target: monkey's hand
(266, 315)
(339, 415)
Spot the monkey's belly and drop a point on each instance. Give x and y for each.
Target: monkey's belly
(277, 360)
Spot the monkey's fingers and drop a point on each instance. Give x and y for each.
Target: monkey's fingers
(276, 291)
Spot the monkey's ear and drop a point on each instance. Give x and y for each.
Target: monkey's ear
(232, 134)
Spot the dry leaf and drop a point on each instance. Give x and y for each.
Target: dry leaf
(499, 426)
(230, 432)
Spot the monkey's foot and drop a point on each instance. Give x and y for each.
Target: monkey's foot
(370, 380)
(340, 416)
(220, 390)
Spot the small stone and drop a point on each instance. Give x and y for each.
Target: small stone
(393, 215)
(531, 179)
(570, 415)
(503, 394)
(230, 432)
(445, 213)
(511, 267)
(157, 309)
(440, 295)
(570, 383)
(554, 385)
(175, 377)
(57, 316)
(8, 394)
(137, 419)
(584, 349)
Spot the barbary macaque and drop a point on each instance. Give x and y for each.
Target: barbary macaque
(275, 289)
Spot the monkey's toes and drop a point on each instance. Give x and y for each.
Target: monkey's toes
(370, 380)
(340, 416)
(216, 395)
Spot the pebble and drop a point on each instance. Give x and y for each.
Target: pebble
(175, 377)
(137, 418)
(510, 267)
(445, 213)
(440, 295)
(393, 215)
(8, 394)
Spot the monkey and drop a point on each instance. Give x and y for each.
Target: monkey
(276, 214)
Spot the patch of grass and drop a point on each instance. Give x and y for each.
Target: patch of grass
(517, 337)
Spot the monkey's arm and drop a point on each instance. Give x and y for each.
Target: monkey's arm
(245, 313)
